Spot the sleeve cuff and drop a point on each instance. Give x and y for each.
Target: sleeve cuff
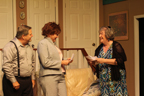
(33, 77)
(13, 79)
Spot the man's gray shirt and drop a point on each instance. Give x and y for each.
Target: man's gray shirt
(26, 58)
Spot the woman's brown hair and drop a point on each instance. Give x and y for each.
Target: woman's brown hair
(50, 29)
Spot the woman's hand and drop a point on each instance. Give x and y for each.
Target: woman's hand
(100, 60)
(107, 61)
(66, 62)
(93, 63)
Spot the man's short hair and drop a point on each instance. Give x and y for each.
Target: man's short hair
(22, 30)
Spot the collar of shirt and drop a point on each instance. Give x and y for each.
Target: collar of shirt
(18, 43)
(49, 39)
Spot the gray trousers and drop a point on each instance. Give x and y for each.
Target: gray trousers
(53, 85)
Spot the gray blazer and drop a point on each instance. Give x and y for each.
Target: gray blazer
(49, 58)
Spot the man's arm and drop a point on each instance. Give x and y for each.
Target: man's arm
(7, 66)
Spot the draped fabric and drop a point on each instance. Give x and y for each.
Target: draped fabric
(108, 86)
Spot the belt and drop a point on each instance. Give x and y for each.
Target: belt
(23, 77)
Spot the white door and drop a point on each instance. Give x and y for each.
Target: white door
(81, 25)
(6, 22)
(39, 13)
(7, 27)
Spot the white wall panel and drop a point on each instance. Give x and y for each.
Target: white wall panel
(74, 5)
(80, 26)
(6, 22)
(4, 29)
(74, 26)
(47, 4)
(87, 29)
(87, 5)
(39, 13)
(47, 17)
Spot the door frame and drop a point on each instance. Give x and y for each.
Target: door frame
(96, 22)
(57, 19)
(136, 54)
(14, 17)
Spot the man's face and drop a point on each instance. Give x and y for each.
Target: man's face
(29, 36)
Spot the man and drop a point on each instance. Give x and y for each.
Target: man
(19, 71)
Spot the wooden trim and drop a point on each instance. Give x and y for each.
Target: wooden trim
(83, 52)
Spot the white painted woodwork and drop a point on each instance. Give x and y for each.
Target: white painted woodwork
(39, 13)
(7, 28)
(6, 22)
(136, 52)
(81, 26)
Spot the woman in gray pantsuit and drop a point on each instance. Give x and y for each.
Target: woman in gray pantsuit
(52, 70)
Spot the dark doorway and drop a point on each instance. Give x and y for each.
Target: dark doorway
(141, 52)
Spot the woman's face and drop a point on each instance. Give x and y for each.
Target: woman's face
(53, 37)
(102, 36)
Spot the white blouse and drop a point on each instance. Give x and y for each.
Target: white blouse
(61, 55)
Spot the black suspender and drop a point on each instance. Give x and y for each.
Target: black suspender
(17, 58)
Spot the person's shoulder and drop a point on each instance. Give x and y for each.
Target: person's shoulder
(42, 41)
(116, 43)
(8, 46)
(100, 46)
